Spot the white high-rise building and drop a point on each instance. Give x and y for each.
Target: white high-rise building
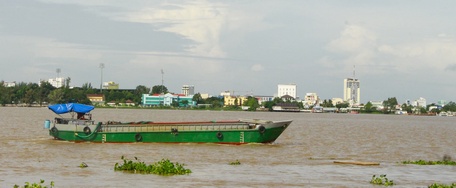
(57, 82)
(286, 89)
(352, 91)
(421, 102)
(188, 90)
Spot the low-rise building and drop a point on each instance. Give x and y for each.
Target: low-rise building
(205, 95)
(263, 99)
(310, 99)
(377, 105)
(9, 84)
(225, 93)
(234, 100)
(167, 100)
(96, 98)
(336, 101)
(110, 85)
(287, 98)
(286, 107)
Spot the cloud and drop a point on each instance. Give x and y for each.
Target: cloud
(353, 39)
(356, 45)
(69, 23)
(433, 53)
(199, 21)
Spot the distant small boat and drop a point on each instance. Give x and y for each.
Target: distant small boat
(354, 112)
(84, 129)
(443, 114)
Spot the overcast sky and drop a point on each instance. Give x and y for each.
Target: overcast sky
(404, 49)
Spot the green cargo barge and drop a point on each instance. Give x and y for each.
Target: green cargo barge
(84, 129)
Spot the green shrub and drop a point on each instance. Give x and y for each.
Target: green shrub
(437, 185)
(35, 185)
(423, 162)
(381, 180)
(163, 167)
(237, 162)
(446, 160)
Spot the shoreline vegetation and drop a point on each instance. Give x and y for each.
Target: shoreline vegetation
(40, 95)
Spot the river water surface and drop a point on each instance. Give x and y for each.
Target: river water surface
(303, 156)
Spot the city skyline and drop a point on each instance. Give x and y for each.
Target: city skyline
(403, 49)
(282, 89)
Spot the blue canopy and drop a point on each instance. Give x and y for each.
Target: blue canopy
(70, 107)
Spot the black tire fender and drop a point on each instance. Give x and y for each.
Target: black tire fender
(219, 135)
(261, 129)
(54, 131)
(138, 137)
(87, 130)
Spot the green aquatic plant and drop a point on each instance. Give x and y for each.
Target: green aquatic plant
(83, 165)
(424, 162)
(164, 167)
(36, 185)
(446, 160)
(237, 162)
(381, 180)
(438, 185)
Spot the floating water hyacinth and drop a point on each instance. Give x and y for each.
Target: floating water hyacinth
(36, 185)
(381, 180)
(164, 167)
(438, 185)
(83, 165)
(424, 162)
(237, 162)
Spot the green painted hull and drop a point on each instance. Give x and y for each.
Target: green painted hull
(188, 133)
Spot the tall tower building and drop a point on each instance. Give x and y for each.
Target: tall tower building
(352, 90)
(188, 90)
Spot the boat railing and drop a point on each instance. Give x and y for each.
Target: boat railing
(175, 127)
(72, 121)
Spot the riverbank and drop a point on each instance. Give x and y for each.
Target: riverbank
(232, 108)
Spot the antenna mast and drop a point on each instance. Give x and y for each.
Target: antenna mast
(353, 72)
(354, 86)
(58, 80)
(101, 70)
(162, 81)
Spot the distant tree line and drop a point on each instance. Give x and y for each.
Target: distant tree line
(29, 94)
(44, 93)
(389, 106)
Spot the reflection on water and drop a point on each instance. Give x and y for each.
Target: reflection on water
(303, 155)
